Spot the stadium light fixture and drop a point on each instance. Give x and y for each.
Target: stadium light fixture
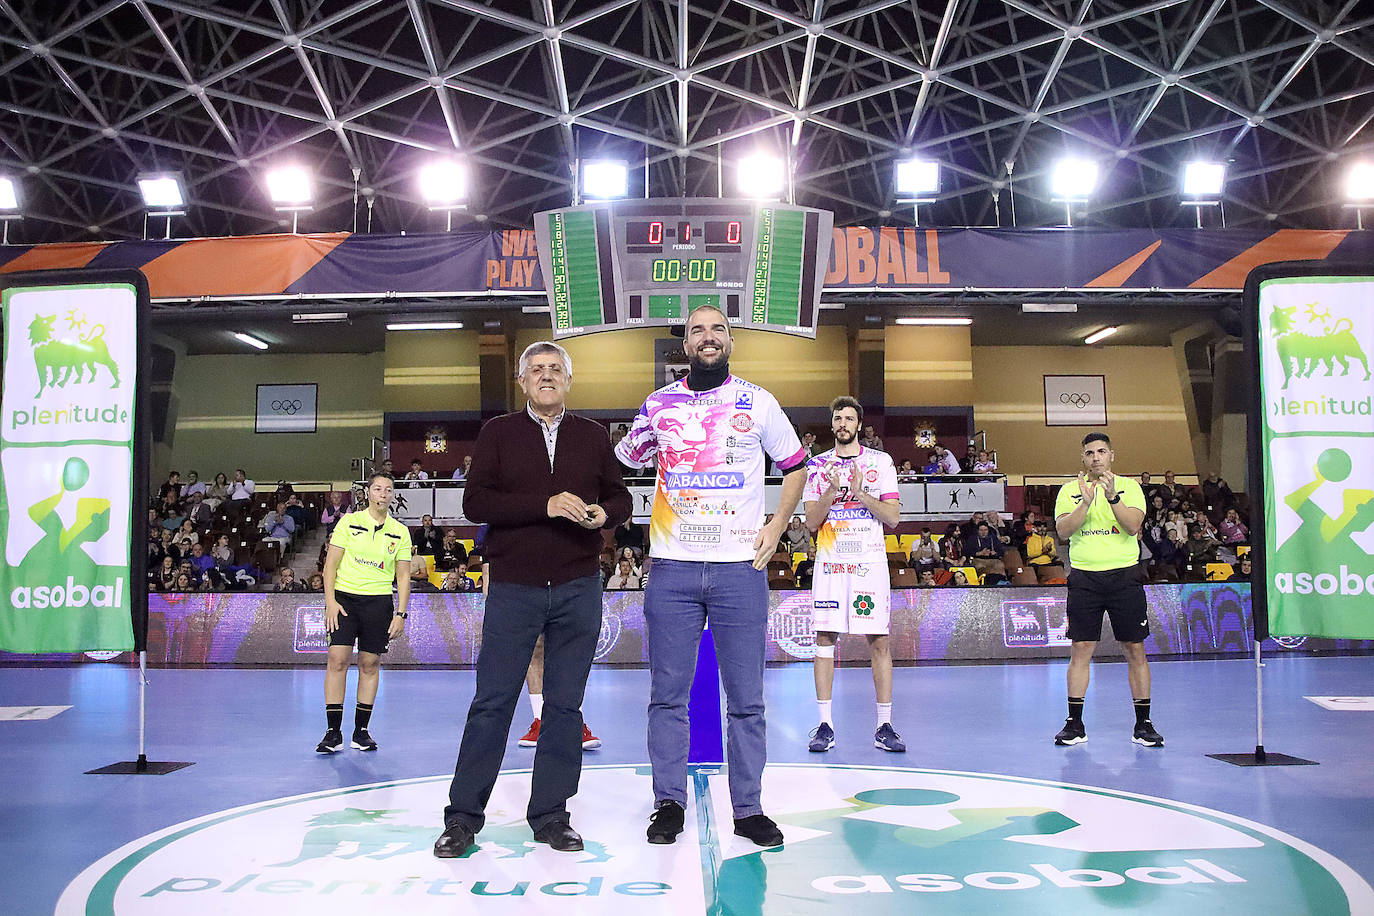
(1101, 335)
(917, 181)
(425, 326)
(1359, 189)
(162, 197)
(761, 176)
(9, 207)
(1072, 181)
(318, 317)
(291, 191)
(1202, 184)
(604, 179)
(936, 321)
(444, 186)
(251, 340)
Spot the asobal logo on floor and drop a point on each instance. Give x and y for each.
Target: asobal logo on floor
(66, 452)
(868, 839)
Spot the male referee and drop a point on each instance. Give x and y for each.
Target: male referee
(1100, 514)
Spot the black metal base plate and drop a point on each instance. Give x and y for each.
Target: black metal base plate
(141, 768)
(1270, 759)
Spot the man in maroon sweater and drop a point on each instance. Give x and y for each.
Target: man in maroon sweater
(547, 483)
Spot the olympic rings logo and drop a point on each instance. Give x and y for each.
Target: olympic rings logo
(1076, 399)
(287, 407)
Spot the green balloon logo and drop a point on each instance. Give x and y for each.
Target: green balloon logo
(76, 472)
(1334, 464)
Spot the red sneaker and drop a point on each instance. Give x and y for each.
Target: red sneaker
(532, 736)
(590, 742)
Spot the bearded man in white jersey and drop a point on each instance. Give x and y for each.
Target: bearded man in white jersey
(851, 493)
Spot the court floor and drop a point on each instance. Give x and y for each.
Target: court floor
(946, 826)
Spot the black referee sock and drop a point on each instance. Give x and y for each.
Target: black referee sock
(1076, 709)
(1142, 710)
(361, 716)
(333, 714)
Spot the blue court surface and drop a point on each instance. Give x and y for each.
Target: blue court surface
(982, 813)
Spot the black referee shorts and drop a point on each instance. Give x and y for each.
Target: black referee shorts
(366, 620)
(1118, 592)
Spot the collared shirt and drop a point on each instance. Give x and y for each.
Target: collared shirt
(549, 429)
(371, 552)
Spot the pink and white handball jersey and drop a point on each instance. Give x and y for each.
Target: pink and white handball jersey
(710, 445)
(850, 530)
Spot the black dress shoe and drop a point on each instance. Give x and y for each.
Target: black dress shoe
(666, 823)
(560, 836)
(759, 828)
(453, 842)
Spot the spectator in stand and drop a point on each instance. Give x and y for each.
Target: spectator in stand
(985, 464)
(999, 527)
(1168, 552)
(299, 513)
(969, 528)
(217, 492)
(808, 441)
(905, 470)
(169, 544)
(969, 461)
(1217, 495)
(625, 576)
(1201, 551)
(193, 485)
(427, 537)
(386, 468)
(335, 508)
(172, 486)
(155, 550)
(797, 538)
(465, 582)
(198, 514)
(420, 583)
(241, 492)
(806, 569)
(932, 464)
(286, 581)
(1175, 525)
(222, 553)
(277, 526)
(1233, 531)
(201, 562)
(952, 549)
(461, 472)
(169, 510)
(631, 535)
(927, 579)
(417, 472)
(162, 577)
(948, 463)
(1042, 552)
(316, 583)
(984, 551)
(1158, 511)
(925, 553)
(1023, 528)
(624, 554)
(1168, 489)
(451, 552)
(184, 582)
(1242, 568)
(959, 579)
(870, 439)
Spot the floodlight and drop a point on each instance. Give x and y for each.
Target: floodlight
(604, 179)
(250, 340)
(1100, 335)
(1359, 183)
(1073, 179)
(9, 196)
(318, 317)
(936, 321)
(917, 177)
(161, 192)
(1203, 180)
(761, 175)
(425, 326)
(290, 188)
(444, 184)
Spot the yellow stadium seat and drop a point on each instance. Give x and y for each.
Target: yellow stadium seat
(476, 578)
(892, 545)
(468, 544)
(1242, 550)
(904, 542)
(969, 573)
(436, 578)
(796, 559)
(1219, 572)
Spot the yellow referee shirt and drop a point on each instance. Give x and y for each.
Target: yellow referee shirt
(370, 552)
(1101, 544)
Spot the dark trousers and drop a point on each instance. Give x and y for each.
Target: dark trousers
(569, 616)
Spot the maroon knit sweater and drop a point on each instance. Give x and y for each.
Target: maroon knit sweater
(509, 487)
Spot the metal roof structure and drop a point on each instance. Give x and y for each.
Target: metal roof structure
(94, 93)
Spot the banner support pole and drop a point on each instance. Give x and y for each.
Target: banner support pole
(1259, 706)
(141, 765)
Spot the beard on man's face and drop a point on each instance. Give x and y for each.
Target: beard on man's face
(845, 436)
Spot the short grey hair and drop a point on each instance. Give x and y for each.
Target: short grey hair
(542, 346)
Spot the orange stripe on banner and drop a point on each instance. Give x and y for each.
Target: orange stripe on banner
(52, 257)
(1283, 245)
(1119, 274)
(254, 265)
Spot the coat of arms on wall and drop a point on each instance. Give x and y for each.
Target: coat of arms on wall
(925, 434)
(436, 440)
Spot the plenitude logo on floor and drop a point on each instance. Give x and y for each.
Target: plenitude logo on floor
(66, 452)
(1316, 333)
(867, 839)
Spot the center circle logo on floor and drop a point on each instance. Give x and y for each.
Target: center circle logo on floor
(868, 839)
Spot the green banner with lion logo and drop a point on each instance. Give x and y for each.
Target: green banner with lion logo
(66, 449)
(1317, 389)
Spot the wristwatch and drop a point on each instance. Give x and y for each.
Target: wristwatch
(403, 615)
(1114, 500)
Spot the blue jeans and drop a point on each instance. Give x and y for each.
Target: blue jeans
(569, 616)
(680, 599)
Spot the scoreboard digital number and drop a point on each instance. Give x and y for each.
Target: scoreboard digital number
(634, 263)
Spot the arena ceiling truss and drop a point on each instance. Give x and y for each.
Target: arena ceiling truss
(95, 92)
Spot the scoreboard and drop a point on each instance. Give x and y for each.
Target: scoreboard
(636, 263)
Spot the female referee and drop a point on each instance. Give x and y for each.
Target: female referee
(367, 552)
